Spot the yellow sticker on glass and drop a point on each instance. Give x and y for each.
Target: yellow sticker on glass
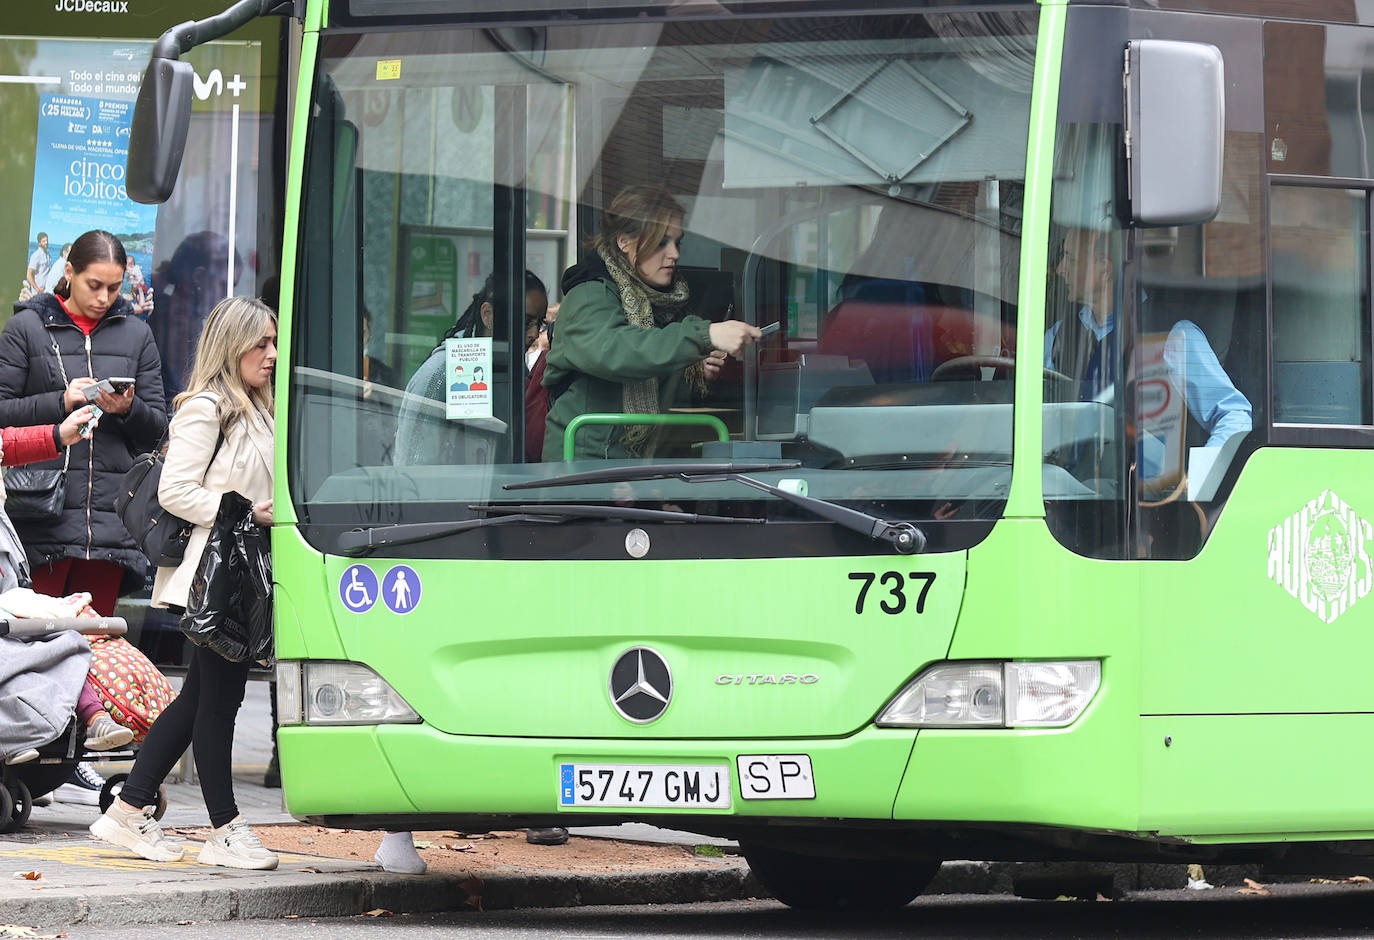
(388, 69)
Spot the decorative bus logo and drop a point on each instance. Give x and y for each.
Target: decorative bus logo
(1321, 556)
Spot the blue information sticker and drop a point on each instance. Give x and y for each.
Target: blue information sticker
(565, 785)
(358, 588)
(401, 589)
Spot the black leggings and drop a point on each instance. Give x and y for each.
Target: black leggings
(202, 716)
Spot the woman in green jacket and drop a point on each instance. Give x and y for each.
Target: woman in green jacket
(625, 343)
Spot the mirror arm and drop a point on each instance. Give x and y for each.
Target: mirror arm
(186, 36)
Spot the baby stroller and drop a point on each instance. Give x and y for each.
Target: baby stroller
(21, 783)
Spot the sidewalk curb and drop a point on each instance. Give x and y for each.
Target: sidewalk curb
(303, 894)
(273, 895)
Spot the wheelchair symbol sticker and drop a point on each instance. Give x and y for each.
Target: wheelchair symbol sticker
(401, 589)
(358, 588)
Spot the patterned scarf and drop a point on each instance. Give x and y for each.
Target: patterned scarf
(648, 309)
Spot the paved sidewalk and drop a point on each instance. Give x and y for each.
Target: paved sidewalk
(87, 881)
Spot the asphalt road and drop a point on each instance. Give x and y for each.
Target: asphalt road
(1293, 911)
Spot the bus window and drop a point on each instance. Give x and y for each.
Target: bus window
(1322, 361)
(860, 195)
(1155, 375)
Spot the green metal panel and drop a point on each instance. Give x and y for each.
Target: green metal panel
(501, 648)
(1025, 498)
(338, 771)
(1251, 778)
(856, 777)
(283, 509)
(1222, 634)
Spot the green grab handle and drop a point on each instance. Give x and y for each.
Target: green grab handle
(576, 424)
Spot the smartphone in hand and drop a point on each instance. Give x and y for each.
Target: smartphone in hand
(116, 385)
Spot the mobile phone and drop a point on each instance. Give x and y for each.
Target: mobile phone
(121, 383)
(770, 328)
(103, 387)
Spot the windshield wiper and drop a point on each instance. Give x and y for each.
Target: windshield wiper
(655, 471)
(903, 536)
(362, 541)
(571, 511)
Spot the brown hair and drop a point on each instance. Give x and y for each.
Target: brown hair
(642, 212)
(95, 247)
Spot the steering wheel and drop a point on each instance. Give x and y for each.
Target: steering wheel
(962, 366)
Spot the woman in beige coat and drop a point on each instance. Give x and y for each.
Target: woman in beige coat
(229, 393)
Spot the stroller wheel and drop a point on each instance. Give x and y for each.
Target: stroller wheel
(115, 784)
(6, 809)
(21, 805)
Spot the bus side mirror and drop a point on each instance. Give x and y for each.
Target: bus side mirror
(162, 118)
(1175, 124)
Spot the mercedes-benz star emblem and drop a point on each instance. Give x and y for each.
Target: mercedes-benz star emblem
(641, 685)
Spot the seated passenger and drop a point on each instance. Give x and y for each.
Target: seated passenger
(423, 435)
(625, 343)
(1083, 344)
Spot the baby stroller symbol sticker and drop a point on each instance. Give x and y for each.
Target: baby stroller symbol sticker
(401, 589)
(358, 588)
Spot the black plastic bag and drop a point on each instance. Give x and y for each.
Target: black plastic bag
(230, 606)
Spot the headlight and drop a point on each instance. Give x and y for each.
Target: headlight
(334, 693)
(995, 695)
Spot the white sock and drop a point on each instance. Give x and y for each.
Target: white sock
(397, 853)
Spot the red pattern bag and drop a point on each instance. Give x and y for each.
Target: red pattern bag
(130, 687)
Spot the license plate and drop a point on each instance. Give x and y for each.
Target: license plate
(700, 786)
(775, 777)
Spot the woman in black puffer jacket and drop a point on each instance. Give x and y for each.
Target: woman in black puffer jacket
(54, 346)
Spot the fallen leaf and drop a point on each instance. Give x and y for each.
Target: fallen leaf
(377, 912)
(1254, 884)
(473, 888)
(1254, 887)
(29, 875)
(1357, 880)
(313, 871)
(1322, 881)
(1102, 897)
(422, 844)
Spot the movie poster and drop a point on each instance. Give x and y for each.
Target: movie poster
(78, 185)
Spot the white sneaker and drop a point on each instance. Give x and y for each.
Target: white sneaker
(21, 757)
(83, 786)
(105, 734)
(137, 831)
(234, 845)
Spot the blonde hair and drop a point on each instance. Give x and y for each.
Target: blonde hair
(644, 213)
(234, 326)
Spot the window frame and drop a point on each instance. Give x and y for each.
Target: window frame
(1292, 434)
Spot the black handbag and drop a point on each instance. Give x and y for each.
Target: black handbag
(38, 494)
(35, 494)
(162, 535)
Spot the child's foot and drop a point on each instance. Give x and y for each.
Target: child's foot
(104, 733)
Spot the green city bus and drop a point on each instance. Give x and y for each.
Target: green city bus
(1038, 527)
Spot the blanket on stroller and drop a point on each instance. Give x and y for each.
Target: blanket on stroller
(40, 680)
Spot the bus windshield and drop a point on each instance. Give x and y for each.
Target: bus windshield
(852, 185)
